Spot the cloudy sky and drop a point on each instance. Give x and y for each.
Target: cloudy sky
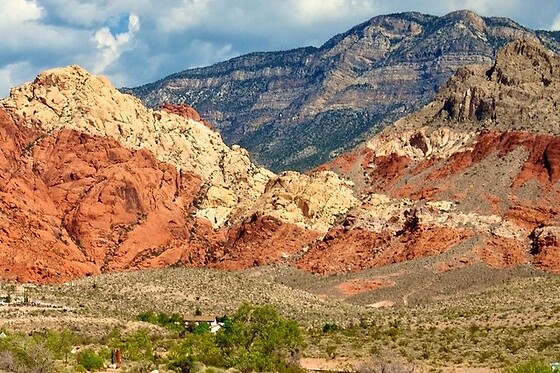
(139, 41)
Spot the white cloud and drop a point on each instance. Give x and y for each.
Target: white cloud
(112, 46)
(556, 23)
(15, 74)
(185, 15)
(177, 34)
(311, 11)
(18, 12)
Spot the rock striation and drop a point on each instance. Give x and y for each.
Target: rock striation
(92, 181)
(297, 109)
(484, 151)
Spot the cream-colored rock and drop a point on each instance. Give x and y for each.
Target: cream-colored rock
(310, 201)
(71, 98)
(422, 143)
(380, 213)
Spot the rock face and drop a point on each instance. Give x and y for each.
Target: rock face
(297, 109)
(92, 181)
(478, 168)
(70, 98)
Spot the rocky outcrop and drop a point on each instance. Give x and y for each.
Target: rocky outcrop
(70, 98)
(297, 109)
(94, 182)
(546, 247)
(34, 244)
(313, 202)
(186, 111)
(485, 148)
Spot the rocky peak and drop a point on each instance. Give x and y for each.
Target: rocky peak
(71, 98)
(518, 92)
(525, 61)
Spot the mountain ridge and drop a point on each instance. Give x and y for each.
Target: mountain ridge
(92, 181)
(297, 109)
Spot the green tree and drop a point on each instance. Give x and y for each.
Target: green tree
(259, 339)
(60, 343)
(137, 346)
(199, 347)
(90, 360)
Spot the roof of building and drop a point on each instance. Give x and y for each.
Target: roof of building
(200, 318)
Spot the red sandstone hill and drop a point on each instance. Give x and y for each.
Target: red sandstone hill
(490, 146)
(92, 182)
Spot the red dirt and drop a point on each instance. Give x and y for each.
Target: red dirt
(364, 285)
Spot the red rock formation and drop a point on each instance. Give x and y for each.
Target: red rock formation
(356, 249)
(546, 248)
(118, 203)
(500, 252)
(186, 111)
(73, 204)
(261, 240)
(76, 205)
(34, 246)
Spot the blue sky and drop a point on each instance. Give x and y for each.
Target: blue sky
(139, 41)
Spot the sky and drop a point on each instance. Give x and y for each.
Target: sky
(134, 42)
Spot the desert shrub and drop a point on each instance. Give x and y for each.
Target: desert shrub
(173, 322)
(90, 360)
(531, 366)
(183, 363)
(141, 367)
(25, 354)
(201, 328)
(329, 328)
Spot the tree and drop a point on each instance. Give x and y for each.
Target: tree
(25, 354)
(90, 360)
(198, 347)
(259, 339)
(137, 346)
(60, 343)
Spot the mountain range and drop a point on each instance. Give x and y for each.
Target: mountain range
(298, 109)
(92, 181)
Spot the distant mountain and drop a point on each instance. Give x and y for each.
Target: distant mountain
(297, 109)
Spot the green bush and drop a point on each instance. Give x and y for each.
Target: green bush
(330, 328)
(173, 322)
(183, 364)
(531, 366)
(19, 354)
(90, 360)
